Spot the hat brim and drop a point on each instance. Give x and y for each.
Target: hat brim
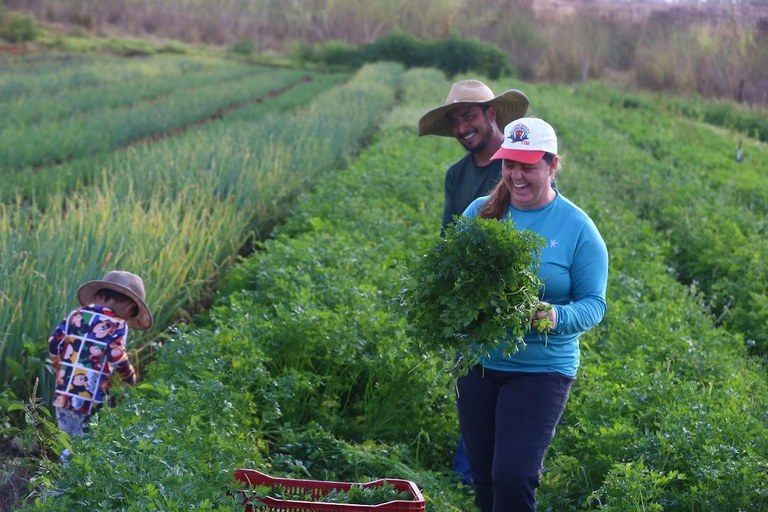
(86, 294)
(509, 105)
(518, 155)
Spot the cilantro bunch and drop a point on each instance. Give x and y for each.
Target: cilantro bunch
(357, 494)
(472, 290)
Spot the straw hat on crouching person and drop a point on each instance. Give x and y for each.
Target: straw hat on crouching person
(125, 283)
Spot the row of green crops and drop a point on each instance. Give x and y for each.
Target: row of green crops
(669, 412)
(31, 109)
(45, 75)
(302, 367)
(683, 177)
(174, 212)
(46, 185)
(751, 122)
(112, 125)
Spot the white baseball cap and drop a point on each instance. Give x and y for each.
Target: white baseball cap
(526, 140)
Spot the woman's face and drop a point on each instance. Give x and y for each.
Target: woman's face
(529, 185)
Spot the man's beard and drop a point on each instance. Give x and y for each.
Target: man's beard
(478, 148)
(483, 141)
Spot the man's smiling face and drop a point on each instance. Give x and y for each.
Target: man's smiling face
(471, 126)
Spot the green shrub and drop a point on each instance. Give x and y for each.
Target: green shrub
(18, 29)
(336, 53)
(453, 55)
(244, 47)
(632, 486)
(396, 46)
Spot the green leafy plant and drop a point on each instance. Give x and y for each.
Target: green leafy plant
(30, 442)
(18, 29)
(42, 434)
(370, 495)
(357, 494)
(472, 290)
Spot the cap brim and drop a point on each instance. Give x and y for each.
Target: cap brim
(86, 294)
(518, 155)
(509, 105)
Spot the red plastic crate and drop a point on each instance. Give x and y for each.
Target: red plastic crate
(319, 488)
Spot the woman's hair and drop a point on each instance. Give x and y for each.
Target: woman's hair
(497, 204)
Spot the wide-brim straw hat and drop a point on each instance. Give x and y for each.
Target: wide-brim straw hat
(123, 282)
(509, 105)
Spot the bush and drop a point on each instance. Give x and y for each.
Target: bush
(453, 56)
(334, 53)
(458, 55)
(398, 47)
(245, 47)
(18, 29)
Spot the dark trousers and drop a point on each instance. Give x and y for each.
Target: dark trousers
(508, 420)
(461, 464)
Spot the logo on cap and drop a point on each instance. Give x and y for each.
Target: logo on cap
(519, 134)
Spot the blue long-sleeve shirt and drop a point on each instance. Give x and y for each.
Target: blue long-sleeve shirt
(574, 272)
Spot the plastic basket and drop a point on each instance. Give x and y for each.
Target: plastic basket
(319, 488)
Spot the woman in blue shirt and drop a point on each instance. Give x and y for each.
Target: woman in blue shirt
(510, 405)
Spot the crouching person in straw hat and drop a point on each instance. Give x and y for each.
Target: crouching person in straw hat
(89, 344)
(476, 118)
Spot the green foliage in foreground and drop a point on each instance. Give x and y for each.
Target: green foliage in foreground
(301, 370)
(302, 356)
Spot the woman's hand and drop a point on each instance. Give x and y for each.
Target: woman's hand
(545, 317)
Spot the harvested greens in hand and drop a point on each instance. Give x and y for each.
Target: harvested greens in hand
(473, 289)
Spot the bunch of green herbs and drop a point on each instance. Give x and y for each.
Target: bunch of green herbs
(356, 494)
(472, 290)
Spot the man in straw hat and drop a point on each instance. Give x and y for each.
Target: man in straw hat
(89, 344)
(476, 118)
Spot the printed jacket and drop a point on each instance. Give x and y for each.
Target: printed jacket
(85, 348)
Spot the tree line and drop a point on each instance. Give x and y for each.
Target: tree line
(711, 49)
